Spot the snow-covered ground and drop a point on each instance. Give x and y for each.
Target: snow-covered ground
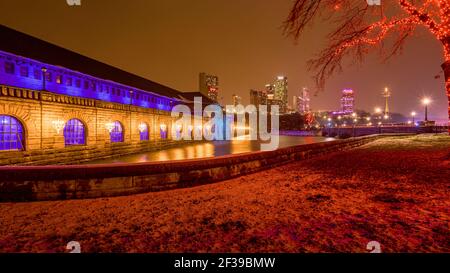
(395, 191)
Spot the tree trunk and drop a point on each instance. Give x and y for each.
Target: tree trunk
(446, 68)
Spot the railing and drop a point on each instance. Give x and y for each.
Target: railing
(354, 131)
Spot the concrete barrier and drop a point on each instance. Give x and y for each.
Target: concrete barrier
(40, 183)
(350, 131)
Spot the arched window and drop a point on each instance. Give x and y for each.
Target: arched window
(163, 131)
(143, 129)
(116, 134)
(178, 128)
(74, 133)
(11, 134)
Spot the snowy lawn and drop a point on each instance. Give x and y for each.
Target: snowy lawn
(395, 191)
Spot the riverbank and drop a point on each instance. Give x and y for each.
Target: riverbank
(394, 191)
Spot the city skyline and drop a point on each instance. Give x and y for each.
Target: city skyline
(235, 54)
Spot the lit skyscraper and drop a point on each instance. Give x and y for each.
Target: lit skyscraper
(258, 97)
(281, 92)
(348, 101)
(270, 89)
(209, 86)
(303, 101)
(237, 100)
(386, 95)
(295, 105)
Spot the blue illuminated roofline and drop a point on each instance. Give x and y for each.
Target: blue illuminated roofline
(103, 87)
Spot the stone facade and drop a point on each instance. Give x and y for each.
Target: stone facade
(43, 145)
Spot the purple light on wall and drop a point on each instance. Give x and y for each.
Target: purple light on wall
(144, 135)
(116, 134)
(74, 133)
(26, 73)
(11, 134)
(163, 134)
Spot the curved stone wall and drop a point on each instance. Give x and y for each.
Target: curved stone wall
(91, 181)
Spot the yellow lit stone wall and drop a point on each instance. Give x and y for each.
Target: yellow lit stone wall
(37, 110)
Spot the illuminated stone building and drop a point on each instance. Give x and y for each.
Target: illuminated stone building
(57, 106)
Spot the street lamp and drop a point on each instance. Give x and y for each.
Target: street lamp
(354, 124)
(58, 125)
(426, 102)
(339, 123)
(413, 115)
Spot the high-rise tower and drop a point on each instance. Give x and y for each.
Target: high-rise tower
(386, 94)
(281, 92)
(237, 100)
(348, 101)
(209, 86)
(303, 101)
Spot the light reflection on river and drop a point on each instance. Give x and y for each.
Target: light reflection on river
(207, 149)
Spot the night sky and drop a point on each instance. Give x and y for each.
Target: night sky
(241, 41)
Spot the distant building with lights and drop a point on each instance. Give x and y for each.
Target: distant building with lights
(386, 95)
(209, 86)
(348, 102)
(302, 102)
(237, 100)
(281, 93)
(271, 100)
(270, 89)
(258, 97)
(274, 94)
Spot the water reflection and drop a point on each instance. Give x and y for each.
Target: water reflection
(208, 149)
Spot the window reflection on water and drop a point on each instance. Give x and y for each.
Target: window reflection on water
(208, 149)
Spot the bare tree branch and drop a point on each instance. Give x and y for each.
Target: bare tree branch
(361, 28)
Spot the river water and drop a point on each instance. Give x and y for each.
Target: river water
(207, 149)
